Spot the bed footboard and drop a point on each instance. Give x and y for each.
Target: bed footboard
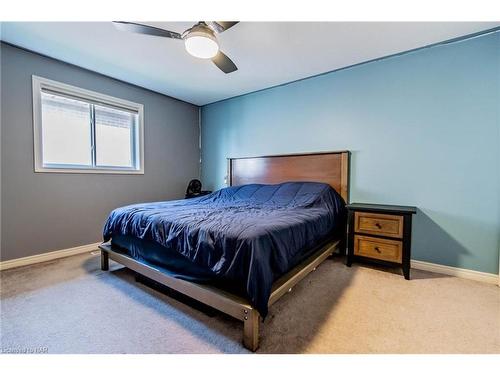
(219, 299)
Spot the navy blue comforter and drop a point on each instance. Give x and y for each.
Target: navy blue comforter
(246, 235)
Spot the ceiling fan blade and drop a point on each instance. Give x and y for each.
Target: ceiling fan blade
(145, 29)
(227, 24)
(224, 63)
(220, 26)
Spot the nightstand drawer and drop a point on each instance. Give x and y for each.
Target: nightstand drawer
(381, 224)
(378, 248)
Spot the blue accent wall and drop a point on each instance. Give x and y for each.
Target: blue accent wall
(423, 128)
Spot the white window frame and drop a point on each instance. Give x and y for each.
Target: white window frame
(40, 84)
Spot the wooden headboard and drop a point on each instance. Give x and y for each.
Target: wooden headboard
(328, 167)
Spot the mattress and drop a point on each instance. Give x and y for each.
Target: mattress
(243, 237)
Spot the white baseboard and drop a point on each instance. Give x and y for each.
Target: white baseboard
(457, 272)
(490, 278)
(5, 265)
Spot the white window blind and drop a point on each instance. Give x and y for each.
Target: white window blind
(80, 131)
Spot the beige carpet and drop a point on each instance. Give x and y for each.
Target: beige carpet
(71, 306)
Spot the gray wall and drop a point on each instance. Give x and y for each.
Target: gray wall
(423, 128)
(49, 211)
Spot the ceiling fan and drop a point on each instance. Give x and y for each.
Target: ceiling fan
(200, 40)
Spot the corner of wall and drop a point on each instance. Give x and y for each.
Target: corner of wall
(199, 141)
(1, 90)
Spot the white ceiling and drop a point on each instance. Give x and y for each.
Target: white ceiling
(266, 53)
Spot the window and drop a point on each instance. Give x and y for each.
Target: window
(80, 131)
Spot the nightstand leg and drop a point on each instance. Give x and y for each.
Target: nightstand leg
(348, 258)
(348, 261)
(406, 246)
(349, 238)
(406, 271)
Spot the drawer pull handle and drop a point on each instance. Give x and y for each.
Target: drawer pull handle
(378, 225)
(377, 249)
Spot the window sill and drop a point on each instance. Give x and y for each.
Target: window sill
(87, 171)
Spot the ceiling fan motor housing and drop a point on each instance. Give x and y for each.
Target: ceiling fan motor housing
(200, 41)
(200, 29)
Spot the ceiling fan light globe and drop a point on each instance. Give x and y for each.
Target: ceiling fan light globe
(201, 45)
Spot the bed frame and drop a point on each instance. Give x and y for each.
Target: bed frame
(328, 167)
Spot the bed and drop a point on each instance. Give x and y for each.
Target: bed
(242, 247)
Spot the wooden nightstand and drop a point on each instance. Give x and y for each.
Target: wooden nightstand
(380, 232)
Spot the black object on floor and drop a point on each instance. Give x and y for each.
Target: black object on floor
(194, 189)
